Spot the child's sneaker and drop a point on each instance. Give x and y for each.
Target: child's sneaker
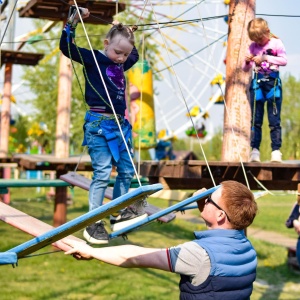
(96, 233)
(130, 215)
(254, 155)
(276, 156)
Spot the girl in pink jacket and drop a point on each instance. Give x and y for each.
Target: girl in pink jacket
(266, 54)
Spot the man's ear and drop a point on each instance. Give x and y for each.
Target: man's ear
(106, 43)
(221, 216)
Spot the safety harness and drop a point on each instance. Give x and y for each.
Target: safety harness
(275, 91)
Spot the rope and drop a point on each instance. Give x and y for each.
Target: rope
(260, 183)
(40, 254)
(183, 97)
(12, 13)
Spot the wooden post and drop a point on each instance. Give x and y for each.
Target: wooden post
(62, 134)
(60, 203)
(63, 108)
(5, 111)
(237, 116)
(5, 124)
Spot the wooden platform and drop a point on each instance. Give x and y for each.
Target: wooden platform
(183, 174)
(20, 58)
(193, 174)
(56, 10)
(51, 163)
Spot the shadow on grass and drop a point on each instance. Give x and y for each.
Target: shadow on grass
(272, 282)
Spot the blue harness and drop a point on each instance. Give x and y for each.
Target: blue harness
(274, 92)
(109, 127)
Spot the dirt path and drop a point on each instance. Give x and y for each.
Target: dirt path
(271, 237)
(268, 236)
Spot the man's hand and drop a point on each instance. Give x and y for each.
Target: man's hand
(80, 250)
(115, 22)
(201, 202)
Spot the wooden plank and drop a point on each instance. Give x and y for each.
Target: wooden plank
(8, 258)
(8, 165)
(80, 222)
(33, 183)
(76, 179)
(29, 224)
(101, 11)
(273, 176)
(163, 212)
(171, 195)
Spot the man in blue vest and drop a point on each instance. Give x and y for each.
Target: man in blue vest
(219, 264)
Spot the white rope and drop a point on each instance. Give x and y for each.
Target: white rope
(260, 183)
(181, 92)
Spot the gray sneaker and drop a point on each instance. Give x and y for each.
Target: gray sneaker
(96, 233)
(130, 215)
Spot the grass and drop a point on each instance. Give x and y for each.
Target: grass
(55, 276)
(273, 212)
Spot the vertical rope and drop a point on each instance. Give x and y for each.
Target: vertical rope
(182, 95)
(117, 7)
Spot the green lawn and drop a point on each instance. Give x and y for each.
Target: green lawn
(55, 276)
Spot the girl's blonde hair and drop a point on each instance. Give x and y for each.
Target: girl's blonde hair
(122, 30)
(259, 28)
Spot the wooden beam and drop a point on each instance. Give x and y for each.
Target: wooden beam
(102, 12)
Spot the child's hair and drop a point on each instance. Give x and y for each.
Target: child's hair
(125, 31)
(257, 29)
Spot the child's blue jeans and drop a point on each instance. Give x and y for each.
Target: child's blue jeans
(103, 159)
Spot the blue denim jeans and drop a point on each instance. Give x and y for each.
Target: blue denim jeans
(102, 159)
(298, 250)
(273, 117)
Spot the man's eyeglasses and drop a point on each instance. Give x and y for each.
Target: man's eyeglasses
(209, 200)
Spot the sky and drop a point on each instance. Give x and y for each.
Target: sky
(286, 28)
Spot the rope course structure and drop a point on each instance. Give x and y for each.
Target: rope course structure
(190, 67)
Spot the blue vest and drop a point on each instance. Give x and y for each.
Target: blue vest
(233, 267)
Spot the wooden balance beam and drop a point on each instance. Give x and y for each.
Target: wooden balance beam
(47, 235)
(159, 214)
(19, 183)
(78, 180)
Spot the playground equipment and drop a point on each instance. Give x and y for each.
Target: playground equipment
(75, 179)
(142, 107)
(46, 237)
(74, 225)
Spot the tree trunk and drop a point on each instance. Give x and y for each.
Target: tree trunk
(237, 114)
